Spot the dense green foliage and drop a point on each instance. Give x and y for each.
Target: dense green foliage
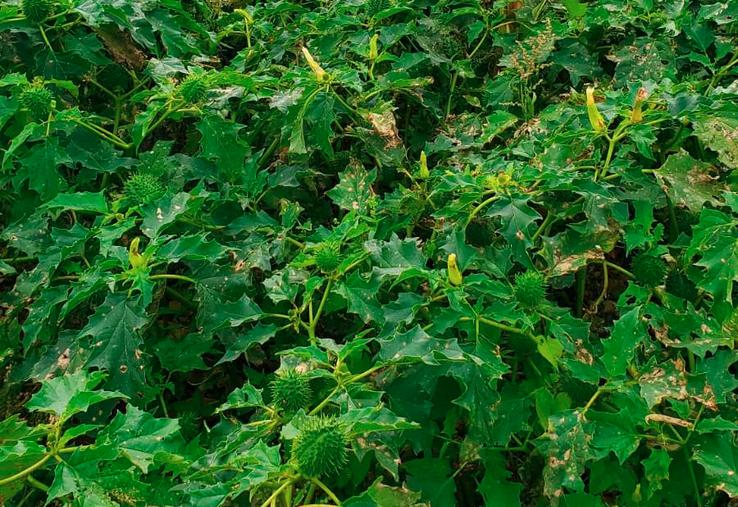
(368, 253)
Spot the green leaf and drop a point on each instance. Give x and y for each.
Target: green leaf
(717, 132)
(627, 333)
(113, 339)
(418, 346)
(689, 182)
(70, 394)
(142, 439)
(354, 191)
(496, 487)
(244, 397)
(656, 468)
(81, 201)
(432, 477)
(718, 455)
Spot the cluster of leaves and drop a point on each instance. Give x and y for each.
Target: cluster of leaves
(368, 252)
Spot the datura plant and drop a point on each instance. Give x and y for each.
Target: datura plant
(368, 253)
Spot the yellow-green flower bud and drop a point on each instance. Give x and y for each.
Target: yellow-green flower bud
(636, 115)
(136, 259)
(423, 171)
(320, 74)
(247, 18)
(373, 49)
(454, 273)
(595, 118)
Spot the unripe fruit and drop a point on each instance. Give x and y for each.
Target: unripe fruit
(291, 391)
(143, 188)
(328, 256)
(320, 448)
(193, 89)
(530, 289)
(37, 11)
(37, 100)
(648, 269)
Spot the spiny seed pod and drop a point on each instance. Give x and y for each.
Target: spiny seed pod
(143, 188)
(320, 447)
(194, 89)
(423, 171)
(648, 270)
(679, 284)
(449, 45)
(291, 391)
(189, 423)
(374, 7)
(595, 118)
(37, 99)
(328, 256)
(37, 11)
(454, 273)
(530, 289)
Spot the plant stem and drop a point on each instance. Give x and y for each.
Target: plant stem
(327, 490)
(168, 276)
(27, 471)
(37, 484)
(498, 325)
(618, 268)
(693, 477)
(276, 493)
(11, 260)
(581, 286)
(454, 77)
(605, 281)
(325, 400)
(314, 319)
(479, 208)
(608, 159)
(591, 401)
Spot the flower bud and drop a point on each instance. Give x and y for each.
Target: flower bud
(454, 273)
(320, 74)
(636, 115)
(373, 50)
(136, 259)
(423, 172)
(595, 118)
(247, 18)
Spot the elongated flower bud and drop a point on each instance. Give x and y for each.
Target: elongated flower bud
(423, 172)
(454, 273)
(320, 74)
(373, 50)
(595, 118)
(247, 18)
(136, 259)
(636, 115)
